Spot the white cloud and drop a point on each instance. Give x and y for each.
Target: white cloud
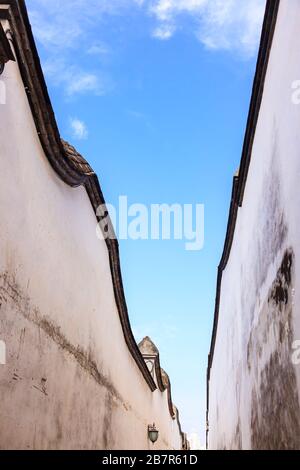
(165, 10)
(164, 31)
(99, 49)
(79, 129)
(68, 29)
(54, 31)
(65, 28)
(63, 23)
(83, 83)
(218, 24)
(75, 81)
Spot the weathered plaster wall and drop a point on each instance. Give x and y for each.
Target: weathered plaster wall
(254, 387)
(70, 380)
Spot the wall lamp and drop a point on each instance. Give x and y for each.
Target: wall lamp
(152, 433)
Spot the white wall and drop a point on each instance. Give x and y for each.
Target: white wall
(70, 381)
(254, 386)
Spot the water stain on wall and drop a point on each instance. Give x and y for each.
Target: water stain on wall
(13, 299)
(275, 410)
(268, 240)
(9, 289)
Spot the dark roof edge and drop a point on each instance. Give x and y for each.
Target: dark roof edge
(266, 41)
(239, 182)
(54, 149)
(162, 378)
(6, 53)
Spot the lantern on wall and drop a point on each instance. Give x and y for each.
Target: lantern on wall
(152, 433)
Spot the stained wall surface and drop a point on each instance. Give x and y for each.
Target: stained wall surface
(255, 375)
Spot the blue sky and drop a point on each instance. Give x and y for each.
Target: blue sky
(155, 95)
